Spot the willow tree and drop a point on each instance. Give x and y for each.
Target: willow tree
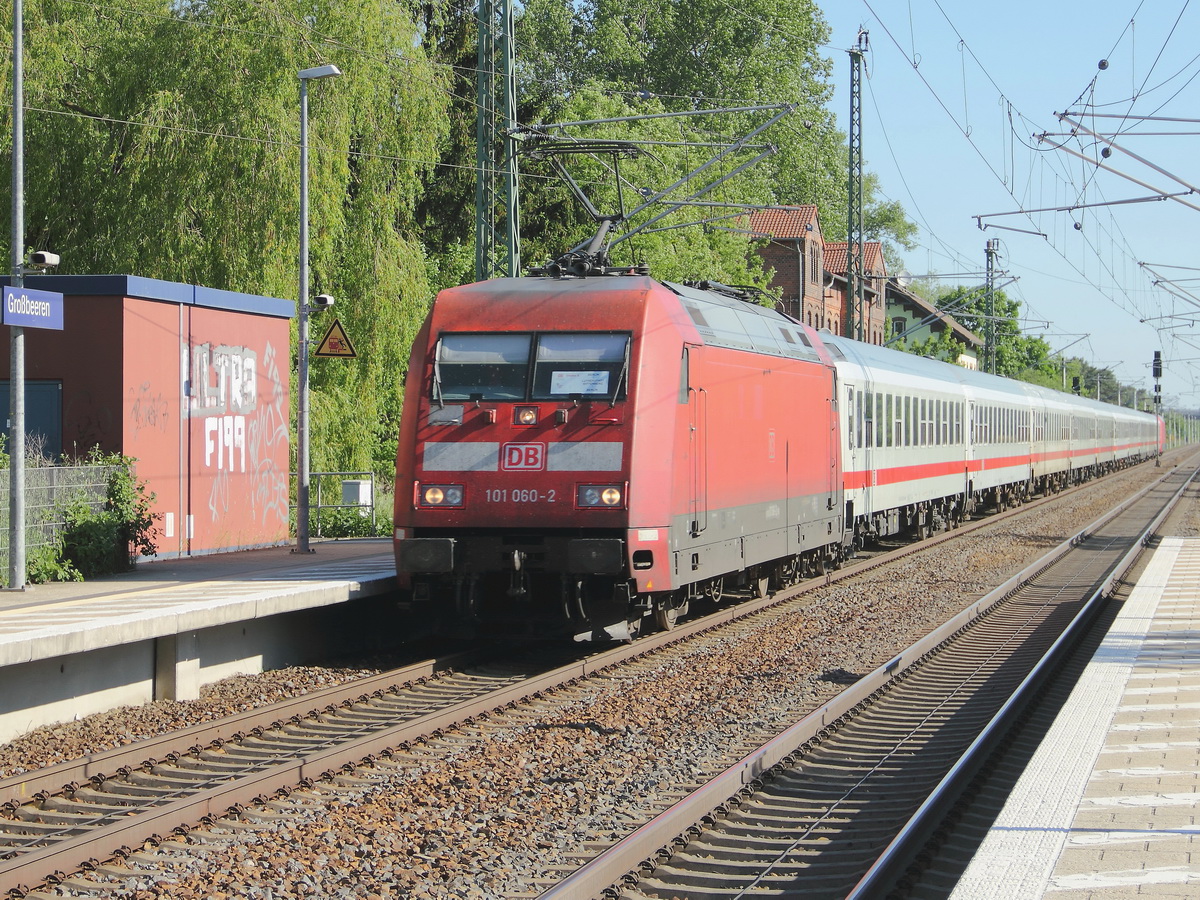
(162, 140)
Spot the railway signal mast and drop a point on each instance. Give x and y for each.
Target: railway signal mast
(1156, 371)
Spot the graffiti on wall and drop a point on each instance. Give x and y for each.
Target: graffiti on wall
(242, 433)
(92, 420)
(268, 437)
(148, 408)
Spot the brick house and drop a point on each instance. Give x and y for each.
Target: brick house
(795, 250)
(874, 325)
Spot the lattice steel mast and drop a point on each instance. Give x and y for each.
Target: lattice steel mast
(497, 220)
(855, 327)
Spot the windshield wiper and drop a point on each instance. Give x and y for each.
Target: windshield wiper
(437, 375)
(621, 377)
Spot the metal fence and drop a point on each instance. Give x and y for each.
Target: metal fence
(347, 487)
(49, 490)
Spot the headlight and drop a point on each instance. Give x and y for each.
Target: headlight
(525, 415)
(593, 496)
(439, 495)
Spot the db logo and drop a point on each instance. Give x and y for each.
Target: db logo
(523, 456)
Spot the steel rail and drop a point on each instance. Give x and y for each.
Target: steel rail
(669, 827)
(899, 854)
(71, 773)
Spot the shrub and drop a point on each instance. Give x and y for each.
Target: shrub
(44, 563)
(112, 539)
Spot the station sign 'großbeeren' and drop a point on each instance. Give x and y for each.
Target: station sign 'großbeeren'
(32, 309)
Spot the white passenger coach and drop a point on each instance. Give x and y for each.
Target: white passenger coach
(924, 443)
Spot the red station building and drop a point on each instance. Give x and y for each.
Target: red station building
(192, 382)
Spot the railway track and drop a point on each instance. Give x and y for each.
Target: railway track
(839, 805)
(76, 814)
(67, 815)
(946, 855)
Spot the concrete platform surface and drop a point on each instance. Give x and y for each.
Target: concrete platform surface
(1108, 806)
(182, 595)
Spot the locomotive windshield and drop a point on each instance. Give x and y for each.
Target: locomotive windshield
(553, 366)
(588, 366)
(482, 366)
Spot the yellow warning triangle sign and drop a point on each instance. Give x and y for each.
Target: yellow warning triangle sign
(335, 343)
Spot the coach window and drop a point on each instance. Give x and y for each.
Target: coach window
(581, 366)
(888, 418)
(481, 367)
(859, 420)
(881, 424)
(869, 419)
(851, 417)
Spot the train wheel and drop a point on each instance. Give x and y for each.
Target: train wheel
(668, 610)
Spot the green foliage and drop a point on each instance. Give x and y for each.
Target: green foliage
(44, 563)
(601, 58)
(110, 540)
(1018, 356)
(351, 523)
(940, 345)
(1015, 351)
(181, 122)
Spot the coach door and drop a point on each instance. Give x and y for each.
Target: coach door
(860, 439)
(970, 436)
(697, 449)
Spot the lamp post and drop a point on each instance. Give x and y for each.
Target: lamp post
(16, 444)
(302, 484)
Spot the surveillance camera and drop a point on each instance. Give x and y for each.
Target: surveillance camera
(43, 258)
(322, 301)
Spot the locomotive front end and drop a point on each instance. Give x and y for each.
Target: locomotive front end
(513, 471)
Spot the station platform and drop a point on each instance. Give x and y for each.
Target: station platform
(168, 627)
(1108, 806)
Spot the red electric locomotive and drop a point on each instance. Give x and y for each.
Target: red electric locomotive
(579, 454)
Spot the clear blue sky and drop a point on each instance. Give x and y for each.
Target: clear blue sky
(952, 138)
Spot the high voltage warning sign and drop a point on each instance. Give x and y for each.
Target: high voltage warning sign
(335, 343)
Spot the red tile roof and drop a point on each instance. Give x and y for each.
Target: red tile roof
(835, 257)
(787, 223)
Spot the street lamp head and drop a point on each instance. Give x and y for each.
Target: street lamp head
(322, 301)
(319, 72)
